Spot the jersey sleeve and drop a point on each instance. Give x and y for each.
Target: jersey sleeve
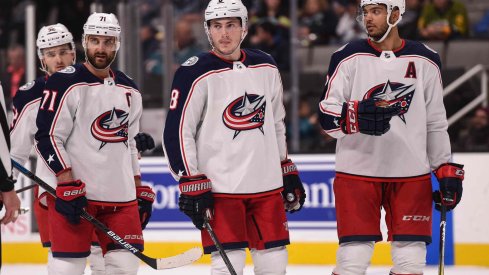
(55, 121)
(439, 150)
(336, 91)
(23, 127)
(134, 125)
(279, 116)
(188, 101)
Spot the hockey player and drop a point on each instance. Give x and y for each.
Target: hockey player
(8, 197)
(224, 138)
(56, 50)
(383, 102)
(87, 120)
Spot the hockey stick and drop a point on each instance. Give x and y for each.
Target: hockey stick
(218, 245)
(25, 188)
(441, 251)
(182, 259)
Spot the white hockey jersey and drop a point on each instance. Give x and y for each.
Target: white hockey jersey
(88, 125)
(409, 78)
(23, 127)
(226, 121)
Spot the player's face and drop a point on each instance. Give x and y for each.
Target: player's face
(57, 58)
(226, 34)
(101, 50)
(375, 20)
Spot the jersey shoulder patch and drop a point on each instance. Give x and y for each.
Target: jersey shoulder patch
(68, 70)
(28, 86)
(191, 61)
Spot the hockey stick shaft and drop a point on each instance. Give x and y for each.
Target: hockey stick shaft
(162, 263)
(219, 246)
(443, 225)
(25, 188)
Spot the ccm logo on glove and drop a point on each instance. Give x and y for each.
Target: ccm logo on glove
(352, 116)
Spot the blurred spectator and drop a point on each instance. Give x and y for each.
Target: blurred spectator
(150, 47)
(275, 11)
(5, 15)
(481, 29)
(185, 42)
(443, 19)
(308, 126)
(267, 40)
(185, 47)
(317, 23)
(408, 27)
(190, 10)
(475, 136)
(348, 27)
(14, 77)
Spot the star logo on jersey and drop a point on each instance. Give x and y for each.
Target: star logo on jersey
(394, 94)
(245, 113)
(50, 159)
(111, 127)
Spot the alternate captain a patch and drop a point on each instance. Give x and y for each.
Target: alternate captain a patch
(393, 94)
(245, 113)
(111, 127)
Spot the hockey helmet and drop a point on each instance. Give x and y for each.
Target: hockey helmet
(226, 9)
(105, 24)
(391, 5)
(52, 36)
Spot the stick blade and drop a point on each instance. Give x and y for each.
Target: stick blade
(179, 260)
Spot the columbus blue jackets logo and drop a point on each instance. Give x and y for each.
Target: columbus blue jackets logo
(394, 94)
(111, 127)
(245, 113)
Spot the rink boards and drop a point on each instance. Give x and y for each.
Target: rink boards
(312, 230)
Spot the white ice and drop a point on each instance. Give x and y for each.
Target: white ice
(23, 269)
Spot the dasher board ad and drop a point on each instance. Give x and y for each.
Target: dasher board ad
(316, 172)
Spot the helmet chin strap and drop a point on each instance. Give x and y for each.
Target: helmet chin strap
(214, 49)
(388, 29)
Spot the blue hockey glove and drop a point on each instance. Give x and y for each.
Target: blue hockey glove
(293, 194)
(70, 200)
(196, 198)
(450, 177)
(368, 117)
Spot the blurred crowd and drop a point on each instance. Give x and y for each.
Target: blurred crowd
(320, 22)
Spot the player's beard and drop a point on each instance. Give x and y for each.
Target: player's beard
(378, 35)
(109, 57)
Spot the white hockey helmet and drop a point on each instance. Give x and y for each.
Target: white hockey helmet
(52, 36)
(391, 5)
(105, 24)
(226, 9)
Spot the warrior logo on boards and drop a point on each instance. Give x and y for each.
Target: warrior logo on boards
(111, 127)
(245, 113)
(393, 94)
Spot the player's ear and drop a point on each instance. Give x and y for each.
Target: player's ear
(394, 15)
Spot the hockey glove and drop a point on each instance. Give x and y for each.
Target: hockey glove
(146, 197)
(196, 198)
(450, 177)
(144, 142)
(70, 200)
(293, 194)
(367, 117)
